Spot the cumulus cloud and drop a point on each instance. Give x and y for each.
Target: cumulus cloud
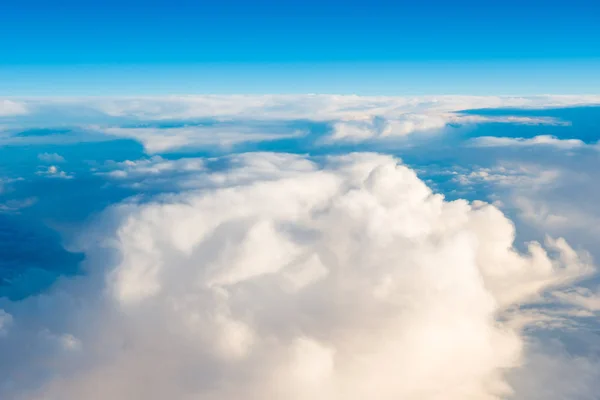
(541, 140)
(12, 108)
(290, 278)
(54, 172)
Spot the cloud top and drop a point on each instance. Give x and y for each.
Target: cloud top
(285, 277)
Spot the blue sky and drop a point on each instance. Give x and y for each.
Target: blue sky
(157, 47)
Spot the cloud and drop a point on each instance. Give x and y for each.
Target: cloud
(51, 158)
(232, 120)
(157, 140)
(380, 128)
(541, 140)
(513, 175)
(154, 173)
(16, 136)
(5, 322)
(10, 108)
(315, 107)
(353, 118)
(546, 192)
(286, 277)
(54, 172)
(581, 297)
(560, 373)
(15, 205)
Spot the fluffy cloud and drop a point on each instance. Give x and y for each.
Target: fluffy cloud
(290, 278)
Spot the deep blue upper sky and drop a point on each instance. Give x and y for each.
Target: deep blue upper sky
(66, 45)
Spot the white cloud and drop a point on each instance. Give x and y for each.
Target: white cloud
(379, 128)
(315, 107)
(353, 118)
(155, 173)
(548, 193)
(12, 108)
(345, 278)
(541, 140)
(54, 172)
(168, 139)
(51, 158)
(513, 175)
(155, 165)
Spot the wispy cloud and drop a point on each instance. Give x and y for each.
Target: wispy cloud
(168, 139)
(12, 108)
(51, 158)
(541, 140)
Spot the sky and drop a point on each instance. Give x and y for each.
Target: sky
(384, 47)
(299, 200)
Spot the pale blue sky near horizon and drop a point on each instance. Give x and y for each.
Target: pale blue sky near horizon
(408, 78)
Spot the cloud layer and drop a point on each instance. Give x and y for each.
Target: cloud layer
(315, 107)
(283, 277)
(222, 122)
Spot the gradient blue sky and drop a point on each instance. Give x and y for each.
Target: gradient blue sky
(378, 47)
